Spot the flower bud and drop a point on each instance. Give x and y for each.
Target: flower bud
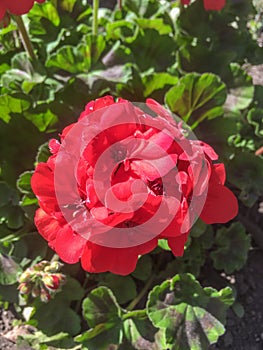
(24, 288)
(55, 266)
(53, 281)
(25, 276)
(41, 265)
(45, 296)
(35, 291)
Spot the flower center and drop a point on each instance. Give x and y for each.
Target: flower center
(156, 186)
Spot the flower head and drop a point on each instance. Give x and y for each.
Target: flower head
(41, 280)
(120, 180)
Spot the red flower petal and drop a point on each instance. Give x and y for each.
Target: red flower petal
(69, 245)
(42, 183)
(177, 244)
(47, 226)
(121, 261)
(154, 169)
(2, 10)
(19, 7)
(215, 5)
(220, 206)
(218, 174)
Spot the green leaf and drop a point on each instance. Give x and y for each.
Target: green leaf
(148, 48)
(29, 201)
(158, 81)
(198, 229)
(247, 176)
(197, 97)
(7, 195)
(42, 120)
(24, 74)
(10, 212)
(15, 218)
(187, 312)
(124, 30)
(140, 332)
(241, 90)
(97, 45)
(117, 55)
(71, 59)
(157, 24)
(46, 10)
(39, 337)
(143, 268)
(24, 182)
(72, 290)
(68, 5)
(12, 215)
(232, 248)
(163, 243)
(123, 287)
(56, 316)
(103, 315)
(43, 153)
(11, 104)
(96, 80)
(101, 307)
(143, 8)
(8, 270)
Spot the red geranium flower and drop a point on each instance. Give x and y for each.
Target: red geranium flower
(209, 5)
(120, 180)
(16, 7)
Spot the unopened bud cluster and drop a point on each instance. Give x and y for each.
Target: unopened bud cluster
(42, 280)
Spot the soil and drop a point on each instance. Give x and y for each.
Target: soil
(6, 318)
(244, 333)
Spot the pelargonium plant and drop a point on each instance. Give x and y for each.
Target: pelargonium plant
(121, 178)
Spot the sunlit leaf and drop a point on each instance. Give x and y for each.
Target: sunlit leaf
(197, 97)
(191, 316)
(11, 104)
(46, 10)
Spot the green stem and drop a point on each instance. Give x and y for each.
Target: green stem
(132, 305)
(24, 35)
(95, 16)
(135, 313)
